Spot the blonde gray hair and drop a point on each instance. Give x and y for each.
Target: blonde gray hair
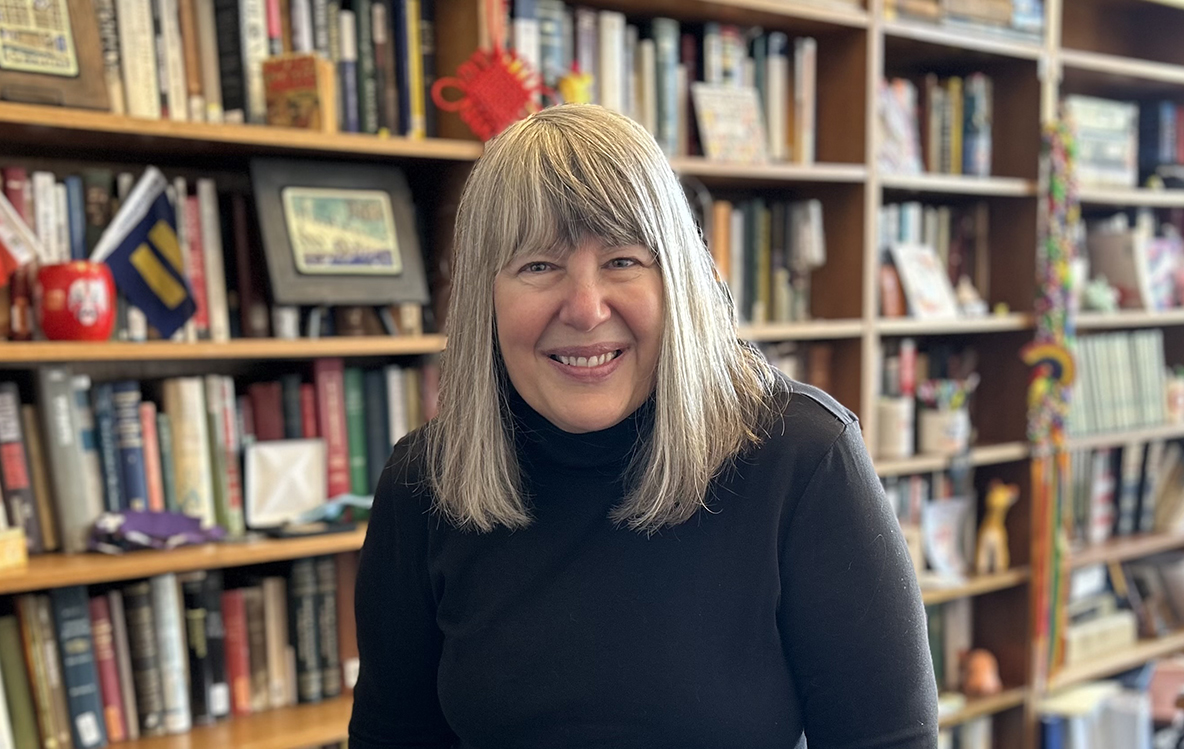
(547, 182)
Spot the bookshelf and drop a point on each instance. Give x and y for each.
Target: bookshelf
(1118, 661)
(1083, 51)
(1123, 549)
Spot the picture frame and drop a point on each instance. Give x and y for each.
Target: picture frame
(927, 288)
(60, 64)
(338, 233)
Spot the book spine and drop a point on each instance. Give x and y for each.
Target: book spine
(207, 48)
(396, 399)
(585, 46)
(427, 46)
(367, 80)
(231, 51)
(216, 645)
(384, 68)
(525, 32)
(44, 208)
(254, 35)
(257, 648)
(33, 639)
(190, 45)
(145, 657)
(76, 217)
(328, 645)
(39, 475)
(61, 223)
(320, 29)
(53, 670)
(174, 61)
(75, 508)
(275, 618)
(238, 657)
(130, 439)
(302, 629)
(88, 439)
(109, 41)
(97, 184)
(185, 404)
(123, 661)
(152, 469)
(666, 53)
(251, 299)
(103, 399)
(329, 376)
(355, 420)
(108, 669)
(232, 441)
(308, 411)
(195, 263)
(170, 636)
(71, 613)
(215, 272)
(302, 30)
(15, 472)
(201, 676)
(267, 404)
(18, 692)
(610, 56)
(137, 44)
(417, 124)
(347, 70)
(168, 478)
(378, 441)
(293, 418)
(551, 65)
(216, 434)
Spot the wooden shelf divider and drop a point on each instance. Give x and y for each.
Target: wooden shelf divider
(46, 571)
(978, 585)
(1126, 67)
(966, 40)
(977, 708)
(1132, 196)
(956, 184)
(957, 326)
(1129, 319)
(808, 330)
(698, 166)
(36, 352)
(1115, 439)
(982, 455)
(1127, 658)
(296, 727)
(1127, 547)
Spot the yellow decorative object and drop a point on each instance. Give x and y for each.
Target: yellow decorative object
(14, 549)
(992, 554)
(576, 88)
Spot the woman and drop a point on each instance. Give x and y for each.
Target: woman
(624, 529)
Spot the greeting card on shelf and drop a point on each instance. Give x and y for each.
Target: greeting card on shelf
(926, 284)
(730, 122)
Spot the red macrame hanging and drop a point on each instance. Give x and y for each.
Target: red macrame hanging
(497, 86)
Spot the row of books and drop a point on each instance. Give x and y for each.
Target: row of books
(1020, 17)
(766, 250)
(1121, 382)
(83, 668)
(959, 234)
(1126, 143)
(1105, 714)
(205, 60)
(178, 444)
(645, 69)
(1119, 491)
(946, 129)
(950, 628)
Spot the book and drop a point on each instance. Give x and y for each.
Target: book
(18, 692)
(253, 33)
(329, 378)
(208, 59)
(76, 509)
(303, 629)
(231, 59)
(38, 474)
(15, 473)
(137, 47)
(377, 436)
(367, 80)
(275, 627)
(409, 67)
(355, 419)
(301, 91)
(208, 690)
(103, 403)
(347, 72)
(292, 416)
(190, 43)
(184, 402)
(129, 436)
(170, 638)
(71, 614)
(123, 661)
(257, 647)
(238, 656)
(385, 76)
(38, 641)
(144, 651)
(107, 667)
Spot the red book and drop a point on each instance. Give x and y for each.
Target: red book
(233, 441)
(347, 634)
(196, 266)
(101, 631)
(238, 654)
(152, 474)
(267, 401)
(329, 377)
(308, 411)
(19, 191)
(246, 413)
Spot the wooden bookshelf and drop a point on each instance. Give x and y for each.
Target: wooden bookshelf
(977, 586)
(1126, 548)
(963, 39)
(59, 570)
(907, 326)
(1129, 319)
(956, 184)
(1122, 660)
(38, 352)
(1116, 439)
(294, 727)
(802, 331)
(771, 173)
(977, 708)
(982, 455)
(1117, 67)
(1121, 197)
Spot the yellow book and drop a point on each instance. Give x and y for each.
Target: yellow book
(418, 124)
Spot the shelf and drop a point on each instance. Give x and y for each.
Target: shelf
(1117, 662)
(947, 36)
(986, 706)
(1116, 439)
(238, 349)
(983, 455)
(1126, 548)
(801, 331)
(101, 130)
(1128, 319)
(294, 727)
(1122, 67)
(986, 324)
(59, 570)
(957, 184)
(773, 172)
(1131, 196)
(977, 586)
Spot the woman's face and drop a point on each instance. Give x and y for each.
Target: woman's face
(580, 334)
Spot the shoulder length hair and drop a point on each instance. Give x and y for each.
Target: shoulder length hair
(548, 181)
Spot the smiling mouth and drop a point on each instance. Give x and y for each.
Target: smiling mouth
(587, 362)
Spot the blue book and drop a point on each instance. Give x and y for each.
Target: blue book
(71, 614)
(129, 437)
(666, 41)
(102, 398)
(348, 71)
(76, 217)
(1052, 731)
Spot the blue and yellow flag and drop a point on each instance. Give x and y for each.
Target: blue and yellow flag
(141, 248)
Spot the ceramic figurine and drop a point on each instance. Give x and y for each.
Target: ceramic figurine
(992, 554)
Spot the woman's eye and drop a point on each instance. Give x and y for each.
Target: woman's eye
(536, 267)
(622, 262)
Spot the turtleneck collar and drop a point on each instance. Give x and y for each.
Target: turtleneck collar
(541, 442)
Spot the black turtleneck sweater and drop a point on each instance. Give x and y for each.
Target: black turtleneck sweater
(789, 607)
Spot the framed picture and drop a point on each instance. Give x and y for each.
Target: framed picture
(926, 284)
(50, 53)
(338, 233)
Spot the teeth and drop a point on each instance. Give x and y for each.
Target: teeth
(586, 362)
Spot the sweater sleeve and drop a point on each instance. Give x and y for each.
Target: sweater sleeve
(395, 701)
(851, 617)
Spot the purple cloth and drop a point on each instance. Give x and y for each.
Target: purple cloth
(117, 532)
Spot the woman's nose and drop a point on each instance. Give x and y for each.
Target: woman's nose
(585, 306)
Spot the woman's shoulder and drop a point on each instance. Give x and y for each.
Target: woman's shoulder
(405, 480)
(802, 416)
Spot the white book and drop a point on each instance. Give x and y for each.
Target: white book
(170, 645)
(137, 46)
(629, 77)
(302, 38)
(92, 464)
(184, 402)
(174, 61)
(713, 53)
(207, 47)
(611, 59)
(45, 208)
(61, 222)
(736, 261)
(648, 85)
(777, 87)
(527, 43)
(211, 235)
(275, 617)
(253, 28)
(396, 398)
(805, 92)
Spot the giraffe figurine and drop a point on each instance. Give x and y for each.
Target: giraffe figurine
(992, 554)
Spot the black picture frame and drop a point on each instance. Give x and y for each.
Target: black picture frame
(289, 285)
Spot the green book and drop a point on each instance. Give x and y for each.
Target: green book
(17, 690)
(355, 425)
(164, 433)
